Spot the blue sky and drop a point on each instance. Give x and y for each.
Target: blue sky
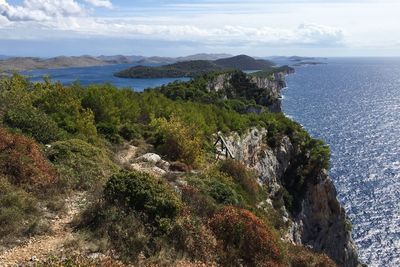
(182, 27)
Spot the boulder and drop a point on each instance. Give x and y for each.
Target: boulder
(150, 158)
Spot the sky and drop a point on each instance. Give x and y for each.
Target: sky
(328, 28)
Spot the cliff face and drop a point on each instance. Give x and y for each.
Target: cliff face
(266, 91)
(321, 222)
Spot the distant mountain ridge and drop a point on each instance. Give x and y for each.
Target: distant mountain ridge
(10, 64)
(196, 67)
(31, 63)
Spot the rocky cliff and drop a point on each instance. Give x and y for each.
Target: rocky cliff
(321, 222)
(264, 89)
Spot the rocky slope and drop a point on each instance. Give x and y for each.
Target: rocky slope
(265, 89)
(321, 222)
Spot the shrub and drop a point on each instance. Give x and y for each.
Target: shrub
(33, 123)
(128, 236)
(18, 211)
(110, 132)
(128, 132)
(22, 162)
(63, 105)
(300, 256)
(319, 154)
(218, 186)
(239, 172)
(178, 141)
(201, 204)
(194, 238)
(135, 191)
(80, 164)
(244, 237)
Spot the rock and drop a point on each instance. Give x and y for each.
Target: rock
(270, 86)
(158, 171)
(126, 155)
(149, 157)
(163, 165)
(321, 222)
(96, 256)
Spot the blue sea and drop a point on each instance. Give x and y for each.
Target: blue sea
(354, 105)
(97, 75)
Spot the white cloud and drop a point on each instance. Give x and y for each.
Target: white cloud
(100, 3)
(40, 10)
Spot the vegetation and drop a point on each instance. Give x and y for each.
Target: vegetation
(196, 68)
(178, 141)
(56, 139)
(142, 193)
(18, 212)
(245, 237)
(79, 164)
(22, 162)
(176, 70)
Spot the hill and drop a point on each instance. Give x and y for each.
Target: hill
(195, 68)
(243, 62)
(176, 70)
(31, 63)
(10, 64)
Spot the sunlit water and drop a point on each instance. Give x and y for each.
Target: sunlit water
(354, 105)
(97, 75)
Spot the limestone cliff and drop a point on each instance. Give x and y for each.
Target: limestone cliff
(264, 89)
(321, 223)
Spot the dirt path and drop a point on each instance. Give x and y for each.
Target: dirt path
(40, 247)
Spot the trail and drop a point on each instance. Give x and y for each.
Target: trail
(42, 246)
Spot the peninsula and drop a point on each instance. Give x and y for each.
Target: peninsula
(195, 68)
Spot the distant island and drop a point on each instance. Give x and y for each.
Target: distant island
(11, 64)
(195, 68)
(31, 63)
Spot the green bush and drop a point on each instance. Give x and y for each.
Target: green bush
(33, 123)
(128, 132)
(179, 141)
(140, 192)
(63, 105)
(219, 187)
(18, 211)
(243, 176)
(80, 164)
(110, 132)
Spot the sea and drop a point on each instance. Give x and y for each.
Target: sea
(98, 75)
(353, 104)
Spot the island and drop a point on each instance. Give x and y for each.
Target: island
(195, 68)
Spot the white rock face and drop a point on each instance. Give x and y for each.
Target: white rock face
(321, 223)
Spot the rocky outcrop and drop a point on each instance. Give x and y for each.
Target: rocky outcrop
(321, 223)
(265, 90)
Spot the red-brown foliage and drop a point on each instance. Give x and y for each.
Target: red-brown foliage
(242, 236)
(22, 161)
(300, 256)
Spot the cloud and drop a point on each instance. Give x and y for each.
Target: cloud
(49, 19)
(40, 10)
(307, 34)
(100, 3)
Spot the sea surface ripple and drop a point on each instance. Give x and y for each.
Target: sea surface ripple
(354, 105)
